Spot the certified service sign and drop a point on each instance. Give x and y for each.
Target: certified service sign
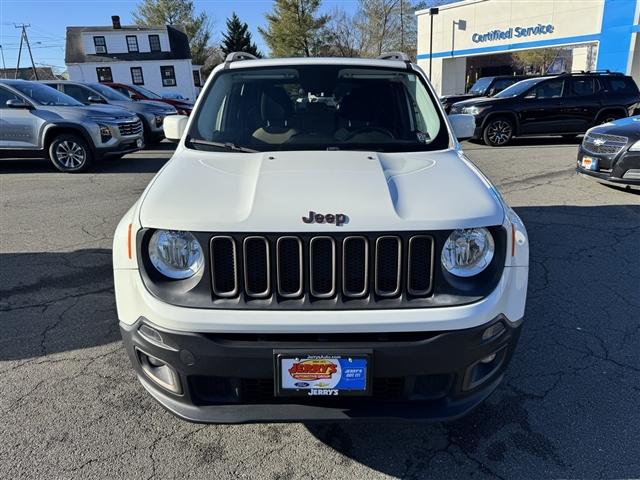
(517, 32)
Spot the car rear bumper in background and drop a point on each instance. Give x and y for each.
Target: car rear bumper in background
(229, 378)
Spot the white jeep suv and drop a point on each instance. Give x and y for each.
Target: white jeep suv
(319, 248)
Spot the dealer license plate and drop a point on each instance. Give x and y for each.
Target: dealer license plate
(589, 163)
(322, 374)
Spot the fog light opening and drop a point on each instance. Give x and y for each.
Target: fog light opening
(488, 359)
(493, 331)
(160, 372)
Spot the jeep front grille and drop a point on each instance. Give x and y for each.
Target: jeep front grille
(603, 144)
(127, 129)
(311, 268)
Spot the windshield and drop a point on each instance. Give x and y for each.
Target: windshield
(318, 107)
(481, 86)
(109, 93)
(517, 88)
(147, 93)
(45, 95)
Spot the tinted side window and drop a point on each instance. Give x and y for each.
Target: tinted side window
(582, 87)
(622, 85)
(79, 93)
(501, 84)
(5, 96)
(550, 89)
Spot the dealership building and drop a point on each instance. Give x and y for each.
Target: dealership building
(478, 38)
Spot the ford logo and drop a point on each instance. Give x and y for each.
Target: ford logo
(301, 384)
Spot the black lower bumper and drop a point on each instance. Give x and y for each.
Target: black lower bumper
(122, 148)
(621, 170)
(229, 378)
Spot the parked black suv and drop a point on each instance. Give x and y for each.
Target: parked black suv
(483, 87)
(611, 153)
(567, 104)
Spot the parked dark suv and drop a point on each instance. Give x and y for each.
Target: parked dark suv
(483, 87)
(567, 104)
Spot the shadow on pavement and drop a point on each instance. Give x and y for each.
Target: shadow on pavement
(551, 142)
(571, 388)
(573, 383)
(144, 161)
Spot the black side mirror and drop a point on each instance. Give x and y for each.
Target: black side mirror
(95, 99)
(18, 103)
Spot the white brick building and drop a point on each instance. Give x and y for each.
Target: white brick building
(158, 58)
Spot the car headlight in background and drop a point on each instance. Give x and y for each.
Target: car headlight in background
(635, 147)
(468, 252)
(176, 254)
(472, 110)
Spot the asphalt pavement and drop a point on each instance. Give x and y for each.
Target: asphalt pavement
(72, 408)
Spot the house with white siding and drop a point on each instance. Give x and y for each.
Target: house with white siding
(157, 58)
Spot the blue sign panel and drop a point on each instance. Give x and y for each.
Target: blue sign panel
(517, 32)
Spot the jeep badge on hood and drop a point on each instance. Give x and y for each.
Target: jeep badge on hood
(338, 218)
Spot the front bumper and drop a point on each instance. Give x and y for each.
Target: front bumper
(229, 378)
(621, 170)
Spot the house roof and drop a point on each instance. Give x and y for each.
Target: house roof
(178, 44)
(26, 73)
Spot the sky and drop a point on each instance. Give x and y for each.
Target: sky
(49, 19)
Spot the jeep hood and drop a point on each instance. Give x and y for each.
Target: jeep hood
(271, 192)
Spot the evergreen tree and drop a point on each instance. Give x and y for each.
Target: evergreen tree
(180, 13)
(238, 38)
(294, 28)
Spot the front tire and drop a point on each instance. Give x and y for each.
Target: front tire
(70, 154)
(498, 132)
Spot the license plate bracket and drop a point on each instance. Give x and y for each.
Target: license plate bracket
(322, 373)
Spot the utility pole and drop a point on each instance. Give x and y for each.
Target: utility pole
(4, 67)
(24, 37)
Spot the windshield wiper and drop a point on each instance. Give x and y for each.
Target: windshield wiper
(225, 145)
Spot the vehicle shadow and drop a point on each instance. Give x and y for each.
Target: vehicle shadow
(577, 360)
(144, 161)
(521, 142)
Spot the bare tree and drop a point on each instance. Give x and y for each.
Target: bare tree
(342, 38)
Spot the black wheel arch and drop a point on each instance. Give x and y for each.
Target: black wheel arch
(608, 110)
(53, 130)
(503, 113)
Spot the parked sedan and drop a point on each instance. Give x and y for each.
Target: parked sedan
(137, 93)
(566, 104)
(610, 153)
(152, 114)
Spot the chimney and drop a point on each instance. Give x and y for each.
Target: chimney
(115, 20)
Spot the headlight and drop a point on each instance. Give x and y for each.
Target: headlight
(635, 147)
(473, 110)
(105, 133)
(468, 252)
(176, 254)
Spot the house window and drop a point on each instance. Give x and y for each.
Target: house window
(100, 44)
(196, 78)
(136, 76)
(104, 74)
(168, 76)
(154, 43)
(132, 43)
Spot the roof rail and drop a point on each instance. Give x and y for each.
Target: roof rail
(237, 56)
(605, 72)
(403, 57)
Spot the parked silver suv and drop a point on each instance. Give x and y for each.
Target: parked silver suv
(39, 121)
(151, 113)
